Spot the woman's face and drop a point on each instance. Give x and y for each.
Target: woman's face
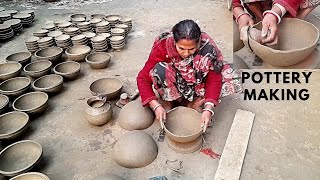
(186, 47)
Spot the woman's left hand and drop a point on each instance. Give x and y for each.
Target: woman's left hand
(269, 29)
(205, 119)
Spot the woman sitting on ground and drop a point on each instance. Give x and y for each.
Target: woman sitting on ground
(184, 67)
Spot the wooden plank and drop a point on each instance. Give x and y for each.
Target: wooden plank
(234, 151)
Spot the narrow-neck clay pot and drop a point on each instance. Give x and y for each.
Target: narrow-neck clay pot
(98, 111)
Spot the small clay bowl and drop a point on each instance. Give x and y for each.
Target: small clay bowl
(98, 60)
(19, 157)
(13, 124)
(15, 86)
(183, 124)
(21, 57)
(9, 70)
(69, 70)
(31, 103)
(31, 176)
(37, 69)
(4, 103)
(51, 53)
(50, 84)
(110, 88)
(78, 53)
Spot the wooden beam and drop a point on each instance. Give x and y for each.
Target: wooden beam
(234, 151)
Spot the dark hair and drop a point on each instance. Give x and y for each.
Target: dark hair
(186, 29)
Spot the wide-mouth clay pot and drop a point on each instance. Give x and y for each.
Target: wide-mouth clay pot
(107, 87)
(15, 86)
(98, 60)
(78, 53)
(98, 111)
(21, 57)
(37, 69)
(51, 53)
(9, 70)
(31, 103)
(51, 83)
(13, 124)
(69, 70)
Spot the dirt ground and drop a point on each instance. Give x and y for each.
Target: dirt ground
(284, 142)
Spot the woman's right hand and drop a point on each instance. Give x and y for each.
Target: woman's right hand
(245, 20)
(161, 114)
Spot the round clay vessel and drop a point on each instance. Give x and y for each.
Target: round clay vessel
(97, 16)
(51, 83)
(78, 53)
(31, 176)
(107, 87)
(21, 57)
(13, 124)
(15, 86)
(98, 60)
(185, 148)
(31, 103)
(69, 70)
(78, 16)
(135, 149)
(9, 70)
(37, 69)
(294, 45)
(98, 111)
(133, 116)
(183, 124)
(28, 152)
(4, 103)
(51, 53)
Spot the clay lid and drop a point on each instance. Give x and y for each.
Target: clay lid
(54, 33)
(294, 44)
(22, 16)
(78, 37)
(41, 31)
(183, 124)
(62, 37)
(79, 19)
(12, 22)
(103, 23)
(89, 35)
(48, 26)
(98, 38)
(117, 30)
(122, 26)
(133, 116)
(32, 39)
(135, 149)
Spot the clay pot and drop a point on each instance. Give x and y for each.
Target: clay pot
(133, 116)
(15, 86)
(51, 54)
(9, 70)
(98, 60)
(294, 45)
(69, 70)
(31, 103)
(28, 152)
(107, 87)
(51, 83)
(135, 149)
(38, 68)
(78, 53)
(185, 148)
(4, 103)
(21, 57)
(183, 124)
(98, 111)
(31, 176)
(13, 124)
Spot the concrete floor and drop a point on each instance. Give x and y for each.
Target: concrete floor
(284, 142)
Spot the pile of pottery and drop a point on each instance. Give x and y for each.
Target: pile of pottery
(124, 27)
(99, 43)
(63, 41)
(11, 12)
(103, 27)
(26, 19)
(31, 12)
(41, 33)
(72, 31)
(118, 32)
(94, 22)
(15, 24)
(84, 26)
(79, 40)
(127, 21)
(6, 31)
(89, 35)
(49, 27)
(113, 20)
(117, 42)
(32, 44)
(62, 26)
(107, 36)
(45, 42)
(4, 17)
(54, 34)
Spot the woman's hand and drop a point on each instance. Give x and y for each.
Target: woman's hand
(269, 29)
(205, 119)
(161, 115)
(245, 20)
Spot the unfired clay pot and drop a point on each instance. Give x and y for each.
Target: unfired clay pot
(98, 111)
(133, 116)
(134, 150)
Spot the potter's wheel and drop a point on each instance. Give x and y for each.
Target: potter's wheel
(185, 148)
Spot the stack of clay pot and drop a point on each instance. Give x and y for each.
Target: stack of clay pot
(63, 41)
(78, 18)
(94, 22)
(4, 17)
(124, 27)
(117, 42)
(15, 24)
(127, 21)
(113, 20)
(6, 32)
(55, 34)
(99, 43)
(49, 27)
(79, 40)
(26, 19)
(72, 31)
(64, 25)
(103, 27)
(89, 35)
(41, 33)
(84, 26)
(32, 44)
(57, 22)
(107, 35)
(118, 32)
(29, 12)
(45, 42)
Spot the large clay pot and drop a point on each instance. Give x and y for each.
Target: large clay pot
(135, 149)
(99, 111)
(133, 116)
